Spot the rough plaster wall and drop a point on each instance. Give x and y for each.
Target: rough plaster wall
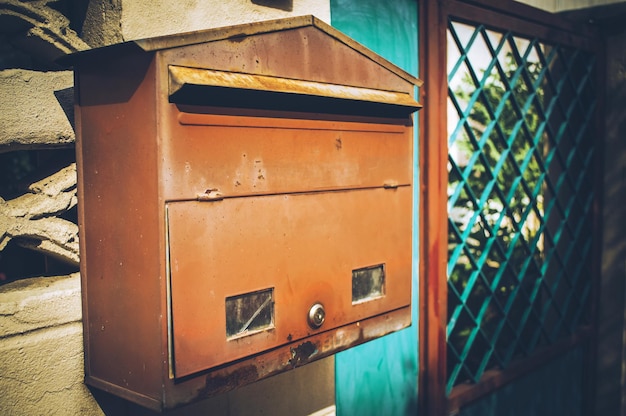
(548, 5)
(142, 19)
(23, 97)
(561, 5)
(102, 24)
(299, 392)
(41, 365)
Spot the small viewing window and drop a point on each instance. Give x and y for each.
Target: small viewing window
(368, 283)
(249, 313)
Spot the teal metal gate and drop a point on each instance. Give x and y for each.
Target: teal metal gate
(520, 191)
(511, 108)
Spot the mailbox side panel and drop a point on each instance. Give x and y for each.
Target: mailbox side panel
(120, 225)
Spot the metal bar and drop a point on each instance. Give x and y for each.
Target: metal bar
(433, 235)
(523, 20)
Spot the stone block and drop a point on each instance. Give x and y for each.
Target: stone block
(41, 373)
(31, 304)
(37, 109)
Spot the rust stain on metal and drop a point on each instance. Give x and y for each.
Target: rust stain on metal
(302, 354)
(261, 232)
(219, 383)
(338, 143)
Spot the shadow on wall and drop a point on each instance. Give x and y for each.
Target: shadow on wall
(286, 5)
(299, 392)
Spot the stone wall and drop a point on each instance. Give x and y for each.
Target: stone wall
(41, 351)
(41, 348)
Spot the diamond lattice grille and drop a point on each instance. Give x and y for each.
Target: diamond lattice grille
(519, 196)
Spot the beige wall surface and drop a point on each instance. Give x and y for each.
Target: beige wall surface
(562, 5)
(141, 19)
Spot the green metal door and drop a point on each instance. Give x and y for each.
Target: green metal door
(380, 377)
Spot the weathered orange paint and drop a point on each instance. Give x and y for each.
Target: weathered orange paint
(279, 157)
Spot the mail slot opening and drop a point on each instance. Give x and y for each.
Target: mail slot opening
(368, 283)
(249, 313)
(205, 87)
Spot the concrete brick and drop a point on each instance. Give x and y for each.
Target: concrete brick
(40, 31)
(41, 372)
(36, 109)
(31, 304)
(41, 349)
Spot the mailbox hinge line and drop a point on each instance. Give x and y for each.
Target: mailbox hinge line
(214, 195)
(210, 195)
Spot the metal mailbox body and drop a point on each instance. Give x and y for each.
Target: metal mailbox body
(234, 186)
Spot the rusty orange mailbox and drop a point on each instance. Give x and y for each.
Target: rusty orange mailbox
(245, 205)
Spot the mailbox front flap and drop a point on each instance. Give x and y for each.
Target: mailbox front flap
(278, 256)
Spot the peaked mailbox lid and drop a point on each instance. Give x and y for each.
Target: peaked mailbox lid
(235, 35)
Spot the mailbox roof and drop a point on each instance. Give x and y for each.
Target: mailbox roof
(249, 29)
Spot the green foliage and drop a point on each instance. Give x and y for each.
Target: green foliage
(496, 208)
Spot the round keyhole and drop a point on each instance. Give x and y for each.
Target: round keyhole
(317, 315)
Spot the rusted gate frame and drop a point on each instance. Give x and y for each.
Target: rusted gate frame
(433, 155)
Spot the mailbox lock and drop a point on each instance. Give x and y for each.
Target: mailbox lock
(317, 315)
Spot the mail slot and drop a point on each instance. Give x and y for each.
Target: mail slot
(245, 205)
